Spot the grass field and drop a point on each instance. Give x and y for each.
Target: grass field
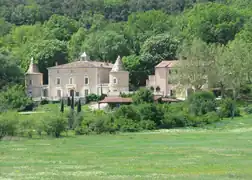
(222, 152)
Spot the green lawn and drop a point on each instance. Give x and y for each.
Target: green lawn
(222, 153)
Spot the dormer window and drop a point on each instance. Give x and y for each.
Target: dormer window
(115, 80)
(86, 80)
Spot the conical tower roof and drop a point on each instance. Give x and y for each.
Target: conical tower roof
(118, 66)
(33, 69)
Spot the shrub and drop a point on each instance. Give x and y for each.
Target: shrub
(226, 108)
(102, 124)
(143, 95)
(54, 124)
(248, 109)
(201, 103)
(172, 120)
(151, 112)
(92, 98)
(210, 117)
(15, 98)
(147, 124)
(127, 125)
(8, 124)
(128, 112)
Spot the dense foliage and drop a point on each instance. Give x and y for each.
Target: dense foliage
(144, 32)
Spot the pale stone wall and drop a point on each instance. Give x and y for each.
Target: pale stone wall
(78, 75)
(122, 81)
(33, 83)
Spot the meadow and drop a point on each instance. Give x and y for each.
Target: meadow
(220, 151)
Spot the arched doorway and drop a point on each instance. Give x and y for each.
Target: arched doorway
(71, 92)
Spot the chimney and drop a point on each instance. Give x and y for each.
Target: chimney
(56, 63)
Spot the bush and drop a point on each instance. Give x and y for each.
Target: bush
(8, 124)
(127, 125)
(128, 112)
(143, 95)
(152, 112)
(147, 124)
(226, 108)
(15, 98)
(172, 120)
(94, 97)
(102, 124)
(201, 103)
(54, 124)
(248, 109)
(209, 118)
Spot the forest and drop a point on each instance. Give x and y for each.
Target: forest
(216, 34)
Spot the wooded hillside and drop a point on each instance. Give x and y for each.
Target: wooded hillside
(144, 32)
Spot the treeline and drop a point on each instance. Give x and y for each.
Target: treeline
(144, 32)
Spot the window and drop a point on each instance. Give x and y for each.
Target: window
(77, 93)
(58, 93)
(58, 81)
(86, 80)
(115, 81)
(30, 82)
(170, 71)
(86, 92)
(71, 81)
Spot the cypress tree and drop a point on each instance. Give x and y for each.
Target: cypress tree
(79, 106)
(62, 106)
(72, 103)
(68, 101)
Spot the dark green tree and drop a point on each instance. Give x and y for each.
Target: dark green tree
(72, 102)
(79, 106)
(62, 106)
(68, 101)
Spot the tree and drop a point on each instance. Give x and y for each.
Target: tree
(143, 95)
(161, 46)
(195, 63)
(46, 53)
(213, 22)
(72, 103)
(79, 106)
(14, 97)
(143, 25)
(5, 27)
(62, 106)
(236, 65)
(10, 73)
(106, 45)
(75, 43)
(61, 27)
(68, 101)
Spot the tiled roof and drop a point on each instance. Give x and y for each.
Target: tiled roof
(82, 64)
(166, 64)
(116, 100)
(118, 66)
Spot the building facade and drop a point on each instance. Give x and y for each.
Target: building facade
(162, 82)
(79, 78)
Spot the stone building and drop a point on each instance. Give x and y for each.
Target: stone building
(81, 78)
(162, 83)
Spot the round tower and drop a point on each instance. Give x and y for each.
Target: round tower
(118, 77)
(33, 81)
